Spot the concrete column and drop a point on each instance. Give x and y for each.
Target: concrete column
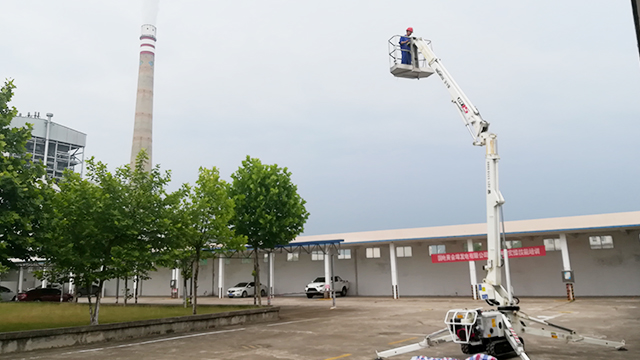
(176, 277)
(272, 277)
(333, 286)
(20, 278)
(135, 284)
(354, 253)
(221, 261)
(564, 250)
(72, 285)
(566, 264)
(394, 271)
(46, 141)
(472, 272)
(327, 274)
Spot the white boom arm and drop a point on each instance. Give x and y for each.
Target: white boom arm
(470, 115)
(491, 288)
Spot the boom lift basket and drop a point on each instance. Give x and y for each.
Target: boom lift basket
(418, 68)
(461, 324)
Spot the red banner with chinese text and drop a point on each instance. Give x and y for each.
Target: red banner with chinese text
(482, 255)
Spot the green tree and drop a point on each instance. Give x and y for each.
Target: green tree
(149, 210)
(269, 211)
(206, 212)
(23, 192)
(109, 225)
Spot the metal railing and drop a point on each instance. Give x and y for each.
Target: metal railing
(395, 53)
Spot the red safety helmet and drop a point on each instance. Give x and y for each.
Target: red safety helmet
(410, 29)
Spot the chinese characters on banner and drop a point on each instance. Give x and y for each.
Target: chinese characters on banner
(482, 255)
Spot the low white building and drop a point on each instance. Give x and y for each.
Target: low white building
(603, 251)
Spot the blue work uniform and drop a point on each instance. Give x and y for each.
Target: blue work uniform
(406, 50)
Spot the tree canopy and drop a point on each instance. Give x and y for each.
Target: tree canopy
(269, 211)
(206, 211)
(23, 191)
(109, 225)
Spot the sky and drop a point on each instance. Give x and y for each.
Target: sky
(306, 85)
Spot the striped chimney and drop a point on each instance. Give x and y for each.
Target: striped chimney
(143, 123)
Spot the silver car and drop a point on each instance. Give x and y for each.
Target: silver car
(245, 289)
(6, 294)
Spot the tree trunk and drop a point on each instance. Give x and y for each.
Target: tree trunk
(117, 289)
(95, 311)
(184, 291)
(256, 279)
(91, 317)
(195, 282)
(137, 282)
(126, 289)
(98, 298)
(191, 286)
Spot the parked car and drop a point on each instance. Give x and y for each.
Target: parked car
(6, 294)
(49, 285)
(245, 289)
(82, 291)
(316, 287)
(44, 294)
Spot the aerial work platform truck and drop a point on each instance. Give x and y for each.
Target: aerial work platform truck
(496, 331)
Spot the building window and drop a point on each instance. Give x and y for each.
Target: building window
(344, 254)
(601, 242)
(514, 244)
(437, 249)
(317, 256)
(246, 260)
(403, 251)
(373, 253)
(293, 256)
(552, 244)
(476, 247)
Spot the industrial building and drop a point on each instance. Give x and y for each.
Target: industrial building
(601, 251)
(64, 146)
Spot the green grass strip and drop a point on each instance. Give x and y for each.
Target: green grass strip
(17, 316)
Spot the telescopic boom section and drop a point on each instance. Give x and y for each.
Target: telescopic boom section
(470, 115)
(491, 287)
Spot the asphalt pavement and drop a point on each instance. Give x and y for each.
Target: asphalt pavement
(358, 326)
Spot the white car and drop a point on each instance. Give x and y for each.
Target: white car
(316, 287)
(245, 289)
(6, 294)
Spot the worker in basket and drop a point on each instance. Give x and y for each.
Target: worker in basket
(405, 46)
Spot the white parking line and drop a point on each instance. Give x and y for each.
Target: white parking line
(292, 322)
(153, 341)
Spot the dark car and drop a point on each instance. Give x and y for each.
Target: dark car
(46, 294)
(82, 291)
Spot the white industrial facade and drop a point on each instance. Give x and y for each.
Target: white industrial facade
(602, 250)
(64, 146)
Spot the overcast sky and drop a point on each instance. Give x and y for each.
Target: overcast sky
(306, 85)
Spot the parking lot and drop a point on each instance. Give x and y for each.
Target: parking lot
(310, 329)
